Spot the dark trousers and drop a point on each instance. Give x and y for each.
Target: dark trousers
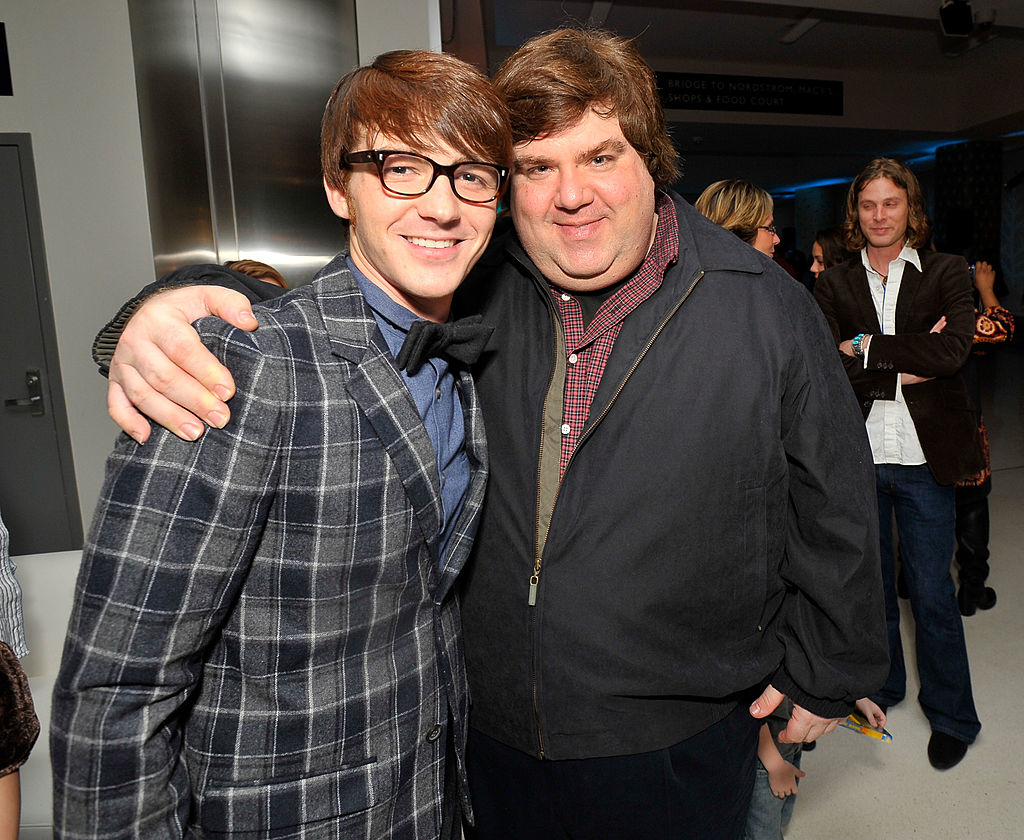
(698, 789)
(924, 512)
(972, 534)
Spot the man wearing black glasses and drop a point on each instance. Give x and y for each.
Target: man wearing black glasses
(679, 526)
(265, 639)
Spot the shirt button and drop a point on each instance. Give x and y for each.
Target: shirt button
(438, 393)
(435, 733)
(565, 296)
(565, 429)
(443, 479)
(573, 358)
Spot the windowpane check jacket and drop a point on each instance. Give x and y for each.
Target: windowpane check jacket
(264, 641)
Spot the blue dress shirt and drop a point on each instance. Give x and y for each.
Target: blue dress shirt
(437, 401)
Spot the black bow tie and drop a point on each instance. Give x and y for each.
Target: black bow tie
(458, 341)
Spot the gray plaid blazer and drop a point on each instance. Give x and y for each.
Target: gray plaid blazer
(264, 641)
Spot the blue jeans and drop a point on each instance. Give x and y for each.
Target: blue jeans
(769, 815)
(925, 516)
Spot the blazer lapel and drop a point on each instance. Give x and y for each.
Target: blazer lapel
(377, 388)
(860, 296)
(910, 285)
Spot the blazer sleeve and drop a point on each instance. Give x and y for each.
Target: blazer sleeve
(914, 349)
(174, 533)
(834, 293)
(832, 620)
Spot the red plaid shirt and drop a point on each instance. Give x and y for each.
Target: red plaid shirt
(588, 350)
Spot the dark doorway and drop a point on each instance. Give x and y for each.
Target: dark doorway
(38, 495)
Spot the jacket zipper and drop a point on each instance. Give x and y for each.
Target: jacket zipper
(535, 577)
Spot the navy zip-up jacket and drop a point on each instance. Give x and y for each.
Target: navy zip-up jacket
(715, 528)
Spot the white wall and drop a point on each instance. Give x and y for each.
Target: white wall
(383, 25)
(74, 92)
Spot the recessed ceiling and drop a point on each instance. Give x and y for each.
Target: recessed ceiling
(850, 35)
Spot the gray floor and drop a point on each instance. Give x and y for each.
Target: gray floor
(859, 788)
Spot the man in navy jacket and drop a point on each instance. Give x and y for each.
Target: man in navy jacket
(680, 525)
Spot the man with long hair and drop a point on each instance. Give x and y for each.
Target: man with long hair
(903, 318)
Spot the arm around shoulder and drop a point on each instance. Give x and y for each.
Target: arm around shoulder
(157, 365)
(196, 275)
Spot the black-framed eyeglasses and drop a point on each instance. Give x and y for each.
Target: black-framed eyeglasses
(770, 228)
(409, 174)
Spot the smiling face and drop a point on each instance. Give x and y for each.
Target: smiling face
(766, 240)
(419, 249)
(882, 210)
(583, 204)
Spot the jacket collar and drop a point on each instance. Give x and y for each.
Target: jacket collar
(703, 245)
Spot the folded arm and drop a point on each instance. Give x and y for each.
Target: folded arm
(919, 348)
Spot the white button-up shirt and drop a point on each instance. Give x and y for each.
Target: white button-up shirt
(890, 427)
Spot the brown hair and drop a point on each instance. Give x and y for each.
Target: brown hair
(259, 270)
(736, 205)
(919, 230)
(833, 246)
(415, 96)
(552, 81)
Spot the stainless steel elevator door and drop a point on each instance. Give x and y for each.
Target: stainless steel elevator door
(231, 93)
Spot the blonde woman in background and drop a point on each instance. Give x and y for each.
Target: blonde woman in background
(746, 210)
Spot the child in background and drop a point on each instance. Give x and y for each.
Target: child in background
(778, 772)
(259, 270)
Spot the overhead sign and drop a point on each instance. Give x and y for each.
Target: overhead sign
(769, 94)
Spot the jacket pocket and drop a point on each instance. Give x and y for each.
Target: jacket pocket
(233, 807)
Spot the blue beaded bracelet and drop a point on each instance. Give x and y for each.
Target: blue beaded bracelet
(858, 345)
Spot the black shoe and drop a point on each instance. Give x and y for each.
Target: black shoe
(987, 599)
(971, 598)
(945, 751)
